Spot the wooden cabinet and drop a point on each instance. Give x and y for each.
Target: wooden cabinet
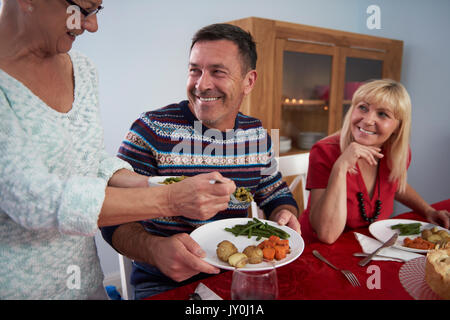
(319, 68)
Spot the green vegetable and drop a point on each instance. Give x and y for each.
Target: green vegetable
(171, 180)
(243, 194)
(257, 228)
(407, 229)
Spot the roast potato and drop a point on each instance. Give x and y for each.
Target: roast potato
(426, 233)
(435, 235)
(443, 234)
(238, 260)
(434, 238)
(225, 249)
(254, 254)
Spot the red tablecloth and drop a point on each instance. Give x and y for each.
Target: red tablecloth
(307, 278)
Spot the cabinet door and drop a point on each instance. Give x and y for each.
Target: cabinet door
(304, 80)
(360, 66)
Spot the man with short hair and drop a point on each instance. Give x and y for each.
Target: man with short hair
(206, 133)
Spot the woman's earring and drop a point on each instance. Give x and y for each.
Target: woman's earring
(30, 9)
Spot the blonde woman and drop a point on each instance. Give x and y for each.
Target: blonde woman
(355, 175)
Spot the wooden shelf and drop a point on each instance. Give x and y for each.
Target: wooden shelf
(301, 102)
(310, 103)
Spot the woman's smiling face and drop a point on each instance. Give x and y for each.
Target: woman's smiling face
(372, 124)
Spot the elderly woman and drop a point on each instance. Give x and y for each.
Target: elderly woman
(355, 175)
(57, 183)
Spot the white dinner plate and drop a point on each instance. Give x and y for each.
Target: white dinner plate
(157, 180)
(211, 234)
(382, 231)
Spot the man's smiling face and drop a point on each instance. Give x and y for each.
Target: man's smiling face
(217, 84)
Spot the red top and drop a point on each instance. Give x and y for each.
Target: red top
(322, 157)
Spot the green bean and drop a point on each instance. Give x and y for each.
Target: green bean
(407, 229)
(250, 226)
(257, 228)
(277, 231)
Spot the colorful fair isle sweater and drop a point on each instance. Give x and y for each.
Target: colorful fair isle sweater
(53, 175)
(172, 142)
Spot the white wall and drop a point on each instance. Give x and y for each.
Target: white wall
(141, 51)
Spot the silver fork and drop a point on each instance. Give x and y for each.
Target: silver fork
(348, 274)
(232, 197)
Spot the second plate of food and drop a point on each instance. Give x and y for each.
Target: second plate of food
(211, 234)
(156, 181)
(382, 231)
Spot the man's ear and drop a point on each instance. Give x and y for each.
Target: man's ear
(249, 81)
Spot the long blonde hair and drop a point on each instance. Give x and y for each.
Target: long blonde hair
(393, 95)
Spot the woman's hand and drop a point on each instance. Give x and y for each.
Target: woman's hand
(413, 200)
(356, 151)
(196, 198)
(438, 217)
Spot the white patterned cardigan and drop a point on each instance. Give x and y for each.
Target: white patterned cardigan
(53, 175)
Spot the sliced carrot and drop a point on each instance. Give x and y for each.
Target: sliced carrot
(279, 255)
(268, 253)
(418, 243)
(266, 243)
(282, 242)
(274, 247)
(280, 252)
(274, 238)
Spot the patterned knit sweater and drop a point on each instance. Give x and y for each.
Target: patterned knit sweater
(172, 142)
(53, 174)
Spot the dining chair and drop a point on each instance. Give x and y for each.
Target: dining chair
(126, 265)
(296, 165)
(293, 165)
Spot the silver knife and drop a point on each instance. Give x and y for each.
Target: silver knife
(362, 254)
(202, 292)
(388, 243)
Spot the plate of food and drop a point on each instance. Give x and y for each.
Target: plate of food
(248, 244)
(242, 197)
(414, 236)
(160, 180)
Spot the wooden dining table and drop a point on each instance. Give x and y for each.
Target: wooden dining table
(308, 278)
